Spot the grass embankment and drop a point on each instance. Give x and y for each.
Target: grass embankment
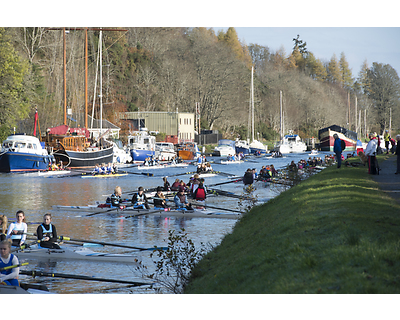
(335, 232)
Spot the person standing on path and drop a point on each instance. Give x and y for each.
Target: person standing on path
(337, 149)
(370, 151)
(398, 154)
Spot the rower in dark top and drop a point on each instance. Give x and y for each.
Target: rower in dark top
(47, 233)
(139, 200)
(116, 200)
(200, 193)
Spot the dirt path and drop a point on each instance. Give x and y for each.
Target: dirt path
(388, 181)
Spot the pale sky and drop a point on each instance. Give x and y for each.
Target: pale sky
(377, 44)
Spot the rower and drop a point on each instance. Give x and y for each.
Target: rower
(200, 193)
(7, 259)
(116, 199)
(159, 200)
(181, 200)
(17, 230)
(139, 200)
(3, 226)
(47, 233)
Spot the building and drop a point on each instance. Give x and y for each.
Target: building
(179, 125)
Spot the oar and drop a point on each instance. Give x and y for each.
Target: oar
(181, 174)
(34, 273)
(108, 210)
(140, 173)
(24, 246)
(62, 238)
(226, 194)
(221, 183)
(219, 208)
(14, 266)
(142, 214)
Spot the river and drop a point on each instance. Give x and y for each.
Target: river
(37, 195)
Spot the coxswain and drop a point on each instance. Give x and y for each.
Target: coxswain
(181, 200)
(167, 186)
(7, 259)
(139, 200)
(17, 230)
(47, 233)
(116, 200)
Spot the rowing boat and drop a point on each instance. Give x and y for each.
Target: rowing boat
(113, 175)
(24, 288)
(230, 161)
(73, 253)
(162, 166)
(158, 212)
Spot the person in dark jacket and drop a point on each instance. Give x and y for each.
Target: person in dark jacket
(139, 199)
(248, 177)
(47, 233)
(116, 200)
(200, 193)
(337, 149)
(398, 154)
(159, 200)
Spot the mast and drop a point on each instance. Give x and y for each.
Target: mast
(281, 115)
(101, 80)
(65, 76)
(252, 102)
(86, 78)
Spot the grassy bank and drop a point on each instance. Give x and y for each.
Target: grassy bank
(333, 233)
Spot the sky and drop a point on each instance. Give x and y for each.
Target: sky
(374, 44)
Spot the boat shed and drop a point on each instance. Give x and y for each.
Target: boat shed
(178, 124)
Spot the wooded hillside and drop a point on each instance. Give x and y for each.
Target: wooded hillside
(169, 69)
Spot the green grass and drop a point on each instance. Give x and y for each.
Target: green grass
(335, 232)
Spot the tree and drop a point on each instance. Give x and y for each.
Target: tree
(334, 74)
(347, 80)
(384, 91)
(315, 68)
(14, 103)
(299, 52)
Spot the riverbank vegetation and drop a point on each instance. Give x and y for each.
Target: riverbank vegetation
(165, 69)
(335, 232)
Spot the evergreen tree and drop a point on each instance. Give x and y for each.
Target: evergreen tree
(333, 70)
(347, 80)
(299, 52)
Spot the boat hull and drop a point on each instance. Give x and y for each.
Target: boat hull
(23, 162)
(141, 155)
(81, 159)
(327, 141)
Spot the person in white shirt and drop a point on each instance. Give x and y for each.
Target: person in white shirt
(17, 230)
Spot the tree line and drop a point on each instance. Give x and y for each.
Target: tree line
(169, 69)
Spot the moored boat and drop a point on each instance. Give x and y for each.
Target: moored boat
(188, 151)
(142, 145)
(242, 146)
(23, 153)
(225, 148)
(291, 143)
(165, 151)
(327, 140)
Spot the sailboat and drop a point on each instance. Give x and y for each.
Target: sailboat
(72, 146)
(255, 146)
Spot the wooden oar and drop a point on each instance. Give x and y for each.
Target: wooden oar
(34, 273)
(219, 208)
(62, 238)
(14, 266)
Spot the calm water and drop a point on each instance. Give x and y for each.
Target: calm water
(36, 195)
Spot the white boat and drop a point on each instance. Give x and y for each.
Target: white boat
(225, 148)
(242, 146)
(291, 143)
(22, 153)
(163, 166)
(73, 253)
(231, 161)
(196, 213)
(258, 147)
(165, 151)
(141, 145)
(313, 152)
(120, 155)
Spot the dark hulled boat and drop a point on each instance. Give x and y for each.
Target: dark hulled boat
(327, 140)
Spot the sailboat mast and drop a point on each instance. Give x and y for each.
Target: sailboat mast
(86, 79)
(281, 114)
(65, 76)
(101, 80)
(252, 104)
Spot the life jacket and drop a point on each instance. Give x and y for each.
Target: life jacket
(200, 194)
(47, 233)
(18, 228)
(3, 265)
